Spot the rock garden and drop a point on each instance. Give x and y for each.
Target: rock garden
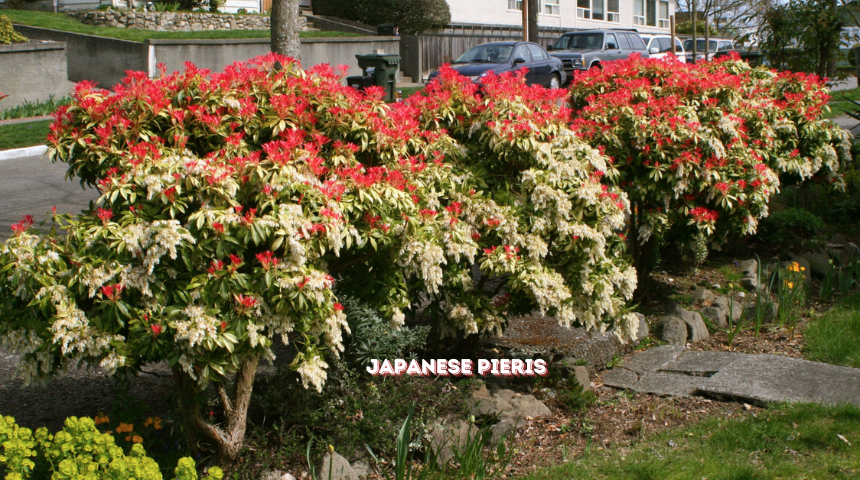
(677, 244)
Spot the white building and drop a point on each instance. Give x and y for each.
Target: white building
(643, 15)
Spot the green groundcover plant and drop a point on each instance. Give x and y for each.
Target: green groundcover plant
(80, 451)
(701, 148)
(232, 204)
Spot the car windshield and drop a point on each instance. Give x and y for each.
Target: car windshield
(700, 45)
(487, 54)
(579, 40)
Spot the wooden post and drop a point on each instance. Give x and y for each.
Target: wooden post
(694, 31)
(672, 31)
(525, 20)
(707, 39)
(856, 53)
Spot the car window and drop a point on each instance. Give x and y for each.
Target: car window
(625, 45)
(635, 41)
(580, 40)
(537, 53)
(611, 42)
(678, 46)
(724, 46)
(522, 52)
(665, 44)
(700, 45)
(487, 54)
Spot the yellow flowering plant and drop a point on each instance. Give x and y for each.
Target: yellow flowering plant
(791, 294)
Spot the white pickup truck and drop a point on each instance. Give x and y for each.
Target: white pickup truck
(717, 47)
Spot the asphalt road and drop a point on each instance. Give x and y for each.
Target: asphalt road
(32, 185)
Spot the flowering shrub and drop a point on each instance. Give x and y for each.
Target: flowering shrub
(80, 451)
(231, 204)
(701, 148)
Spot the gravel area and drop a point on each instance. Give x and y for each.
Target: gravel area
(79, 392)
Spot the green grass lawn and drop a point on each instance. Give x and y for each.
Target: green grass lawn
(782, 442)
(835, 336)
(59, 21)
(19, 135)
(838, 105)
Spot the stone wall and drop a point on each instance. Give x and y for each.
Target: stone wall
(174, 21)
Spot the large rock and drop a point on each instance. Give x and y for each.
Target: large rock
(819, 262)
(750, 270)
(717, 316)
(703, 297)
(276, 475)
(501, 431)
(696, 328)
(642, 332)
(768, 310)
(733, 309)
(335, 467)
(672, 330)
(453, 436)
(805, 269)
(574, 372)
(527, 406)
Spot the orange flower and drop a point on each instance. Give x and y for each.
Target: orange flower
(101, 418)
(124, 428)
(137, 439)
(148, 422)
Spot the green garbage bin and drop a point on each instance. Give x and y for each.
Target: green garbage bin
(752, 57)
(384, 67)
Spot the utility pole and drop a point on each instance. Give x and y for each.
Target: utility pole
(534, 30)
(672, 31)
(526, 20)
(694, 31)
(707, 38)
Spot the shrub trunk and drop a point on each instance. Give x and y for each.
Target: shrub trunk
(227, 440)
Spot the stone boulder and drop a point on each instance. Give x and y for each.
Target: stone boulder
(703, 297)
(453, 436)
(276, 475)
(734, 308)
(335, 467)
(717, 316)
(806, 270)
(768, 308)
(819, 262)
(696, 328)
(750, 279)
(574, 372)
(672, 330)
(525, 407)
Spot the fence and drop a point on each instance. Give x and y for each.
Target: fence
(431, 50)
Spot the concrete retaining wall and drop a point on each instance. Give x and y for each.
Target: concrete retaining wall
(105, 60)
(216, 54)
(32, 71)
(102, 60)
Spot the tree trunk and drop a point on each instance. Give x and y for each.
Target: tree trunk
(227, 440)
(534, 30)
(285, 28)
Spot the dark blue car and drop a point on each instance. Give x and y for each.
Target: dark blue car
(501, 57)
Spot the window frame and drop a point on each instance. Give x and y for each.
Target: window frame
(613, 16)
(663, 22)
(551, 9)
(583, 12)
(639, 20)
(515, 3)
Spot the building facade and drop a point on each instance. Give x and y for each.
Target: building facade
(650, 16)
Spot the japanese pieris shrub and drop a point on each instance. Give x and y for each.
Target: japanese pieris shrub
(701, 148)
(231, 204)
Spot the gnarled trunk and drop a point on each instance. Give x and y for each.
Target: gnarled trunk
(226, 439)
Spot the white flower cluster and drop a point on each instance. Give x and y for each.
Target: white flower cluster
(198, 328)
(313, 373)
(424, 259)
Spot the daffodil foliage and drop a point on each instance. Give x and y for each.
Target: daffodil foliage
(236, 207)
(703, 147)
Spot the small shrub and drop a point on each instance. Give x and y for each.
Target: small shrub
(8, 34)
(791, 294)
(789, 224)
(374, 337)
(80, 451)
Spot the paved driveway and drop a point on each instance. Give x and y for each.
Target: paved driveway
(32, 185)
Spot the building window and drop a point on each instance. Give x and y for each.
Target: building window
(651, 13)
(597, 9)
(612, 11)
(663, 15)
(515, 5)
(638, 12)
(583, 8)
(551, 7)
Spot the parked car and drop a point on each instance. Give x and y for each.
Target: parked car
(660, 46)
(717, 47)
(590, 48)
(501, 57)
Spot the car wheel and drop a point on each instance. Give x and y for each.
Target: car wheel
(554, 82)
(596, 65)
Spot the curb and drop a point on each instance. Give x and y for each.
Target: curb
(17, 153)
(12, 121)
